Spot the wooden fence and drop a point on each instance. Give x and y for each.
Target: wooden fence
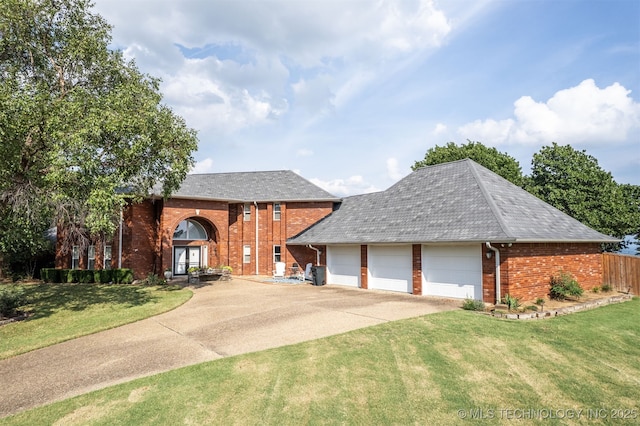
(622, 272)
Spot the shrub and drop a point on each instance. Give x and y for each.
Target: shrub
(70, 274)
(122, 276)
(564, 285)
(85, 276)
(102, 276)
(512, 303)
(11, 298)
(51, 275)
(153, 280)
(606, 288)
(596, 289)
(473, 305)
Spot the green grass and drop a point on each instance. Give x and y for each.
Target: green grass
(417, 371)
(64, 311)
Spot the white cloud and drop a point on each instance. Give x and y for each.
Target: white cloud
(393, 171)
(344, 187)
(583, 114)
(204, 166)
(439, 129)
(308, 55)
(207, 103)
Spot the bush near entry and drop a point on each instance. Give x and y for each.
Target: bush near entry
(86, 276)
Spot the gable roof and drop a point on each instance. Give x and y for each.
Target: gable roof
(459, 201)
(245, 187)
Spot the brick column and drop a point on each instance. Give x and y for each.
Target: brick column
(364, 268)
(417, 269)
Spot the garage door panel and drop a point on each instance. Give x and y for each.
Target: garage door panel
(453, 290)
(390, 268)
(343, 265)
(451, 276)
(452, 271)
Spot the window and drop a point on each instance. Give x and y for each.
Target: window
(276, 254)
(276, 211)
(91, 257)
(189, 230)
(75, 257)
(107, 257)
(246, 251)
(247, 212)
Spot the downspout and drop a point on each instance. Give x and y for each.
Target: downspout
(317, 253)
(255, 203)
(497, 255)
(120, 242)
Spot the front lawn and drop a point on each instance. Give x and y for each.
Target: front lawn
(61, 312)
(447, 368)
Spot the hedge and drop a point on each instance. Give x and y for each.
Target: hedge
(72, 275)
(122, 276)
(102, 276)
(51, 275)
(86, 276)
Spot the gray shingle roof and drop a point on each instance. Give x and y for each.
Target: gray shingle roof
(264, 186)
(459, 201)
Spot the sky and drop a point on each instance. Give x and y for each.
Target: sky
(349, 94)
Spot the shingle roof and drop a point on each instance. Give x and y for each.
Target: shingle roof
(459, 201)
(264, 186)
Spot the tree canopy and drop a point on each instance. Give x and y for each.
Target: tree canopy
(573, 182)
(81, 129)
(494, 160)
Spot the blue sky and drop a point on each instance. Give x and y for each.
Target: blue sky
(350, 94)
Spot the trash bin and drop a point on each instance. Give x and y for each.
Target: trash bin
(319, 274)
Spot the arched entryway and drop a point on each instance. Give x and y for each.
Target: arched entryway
(194, 245)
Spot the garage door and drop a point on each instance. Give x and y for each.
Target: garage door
(452, 271)
(343, 265)
(390, 268)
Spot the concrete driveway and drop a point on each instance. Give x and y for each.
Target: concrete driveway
(222, 319)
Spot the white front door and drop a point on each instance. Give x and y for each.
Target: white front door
(185, 258)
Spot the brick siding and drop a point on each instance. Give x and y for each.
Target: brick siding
(417, 269)
(364, 267)
(526, 269)
(148, 227)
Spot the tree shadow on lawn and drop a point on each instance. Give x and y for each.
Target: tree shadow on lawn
(46, 299)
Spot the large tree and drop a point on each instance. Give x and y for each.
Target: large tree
(573, 182)
(82, 130)
(632, 195)
(494, 160)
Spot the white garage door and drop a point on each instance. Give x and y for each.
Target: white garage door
(390, 268)
(452, 271)
(343, 265)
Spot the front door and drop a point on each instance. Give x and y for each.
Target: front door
(185, 258)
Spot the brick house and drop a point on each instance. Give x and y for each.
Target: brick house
(455, 230)
(240, 220)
